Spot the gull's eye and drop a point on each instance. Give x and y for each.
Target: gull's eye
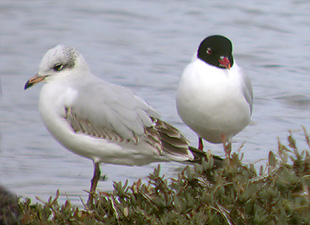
(58, 67)
(209, 51)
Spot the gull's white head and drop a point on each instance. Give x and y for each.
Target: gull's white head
(58, 62)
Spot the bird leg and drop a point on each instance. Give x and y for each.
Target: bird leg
(227, 148)
(200, 146)
(94, 183)
(226, 145)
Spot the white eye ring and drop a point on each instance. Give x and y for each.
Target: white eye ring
(209, 51)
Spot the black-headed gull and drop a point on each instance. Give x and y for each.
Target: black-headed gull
(102, 121)
(214, 96)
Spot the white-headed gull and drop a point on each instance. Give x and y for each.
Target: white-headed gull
(102, 121)
(214, 96)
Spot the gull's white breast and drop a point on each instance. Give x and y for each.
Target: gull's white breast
(211, 101)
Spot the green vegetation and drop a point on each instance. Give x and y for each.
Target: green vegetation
(233, 194)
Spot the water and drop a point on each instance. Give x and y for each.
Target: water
(145, 45)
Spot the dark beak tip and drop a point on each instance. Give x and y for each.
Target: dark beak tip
(27, 85)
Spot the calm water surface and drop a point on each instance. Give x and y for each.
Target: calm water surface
(145, 45)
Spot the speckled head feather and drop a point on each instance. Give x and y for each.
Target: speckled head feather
(58, 58)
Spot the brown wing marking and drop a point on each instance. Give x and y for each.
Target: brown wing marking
(85, 127)
(166, 138)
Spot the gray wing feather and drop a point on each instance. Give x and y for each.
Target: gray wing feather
(247, 89)
(114, 113)
(114, 108)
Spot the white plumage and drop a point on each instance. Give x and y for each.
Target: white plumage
(214, 96)
(101, 121)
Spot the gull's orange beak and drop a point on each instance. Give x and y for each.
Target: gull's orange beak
(36, 79)
(224, 62)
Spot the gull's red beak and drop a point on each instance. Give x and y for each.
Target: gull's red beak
(224, 62)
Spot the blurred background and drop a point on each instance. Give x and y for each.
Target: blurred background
(145, 45)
